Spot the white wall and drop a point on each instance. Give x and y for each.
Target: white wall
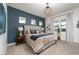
(75, 20)
(73, 35)
(3, 38)
(48, 21)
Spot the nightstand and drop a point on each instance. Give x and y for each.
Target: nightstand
(20, 39)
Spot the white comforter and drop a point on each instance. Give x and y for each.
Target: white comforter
(40, 43)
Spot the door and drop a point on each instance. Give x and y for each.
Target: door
(60, 27)
(63, 30)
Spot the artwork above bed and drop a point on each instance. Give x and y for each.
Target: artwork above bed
(2, 19)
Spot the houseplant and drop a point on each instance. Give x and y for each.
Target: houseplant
(58, 32)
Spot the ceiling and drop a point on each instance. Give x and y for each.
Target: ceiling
(37, 8)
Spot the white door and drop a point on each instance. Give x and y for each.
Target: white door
(63, 35)
(60, 23)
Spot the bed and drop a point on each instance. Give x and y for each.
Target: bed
(38, 41)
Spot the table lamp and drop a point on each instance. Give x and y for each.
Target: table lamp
(20, 29)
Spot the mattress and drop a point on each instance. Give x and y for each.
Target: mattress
(29, 41)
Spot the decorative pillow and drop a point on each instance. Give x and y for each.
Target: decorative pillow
(37, 31)
(26, 31)
(40, 31)
(33, 31)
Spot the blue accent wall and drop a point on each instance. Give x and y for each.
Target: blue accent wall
(13, 21)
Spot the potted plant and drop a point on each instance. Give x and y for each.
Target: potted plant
(58, 32)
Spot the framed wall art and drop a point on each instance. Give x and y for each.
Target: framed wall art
(33, 22)
(22, 20)
(78, 24)
(2, 19)
(40, 23)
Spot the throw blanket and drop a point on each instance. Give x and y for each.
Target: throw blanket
(34, 37)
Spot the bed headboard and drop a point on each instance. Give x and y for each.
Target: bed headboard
(30, 27)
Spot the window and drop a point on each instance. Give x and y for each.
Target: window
(63, 25)
(33, 21)
(56, 25)
(60, 23)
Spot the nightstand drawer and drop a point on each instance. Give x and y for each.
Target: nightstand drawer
(20, 39)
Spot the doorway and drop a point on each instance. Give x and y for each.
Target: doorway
(60, 27)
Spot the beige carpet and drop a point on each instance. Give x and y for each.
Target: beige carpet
(60, 48)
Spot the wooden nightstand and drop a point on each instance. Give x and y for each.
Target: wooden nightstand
(20, 39)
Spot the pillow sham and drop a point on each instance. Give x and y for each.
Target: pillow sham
(38, 31)
(26, 32)
(33, 31)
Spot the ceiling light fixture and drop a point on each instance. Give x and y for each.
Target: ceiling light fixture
(47, 11)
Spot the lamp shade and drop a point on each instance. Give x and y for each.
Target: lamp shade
(20, 28)
(42, 28)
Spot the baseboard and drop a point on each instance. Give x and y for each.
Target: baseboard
(11, 44)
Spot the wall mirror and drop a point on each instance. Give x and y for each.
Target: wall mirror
(2, 19)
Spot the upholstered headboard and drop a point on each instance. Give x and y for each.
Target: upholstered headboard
(30, 27)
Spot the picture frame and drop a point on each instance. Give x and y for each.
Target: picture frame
(33, 22)
(2, 19)
(22, 20)
(78, 24)
(40, 23)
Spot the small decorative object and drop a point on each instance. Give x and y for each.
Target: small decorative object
(2, 19)
(48, 27)
(18, 33)
(40, 23)
(33, 21)
(22, 20)
(47, 10)
(42, 30)
(78, 24)
(58, 31)
(20, 29)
